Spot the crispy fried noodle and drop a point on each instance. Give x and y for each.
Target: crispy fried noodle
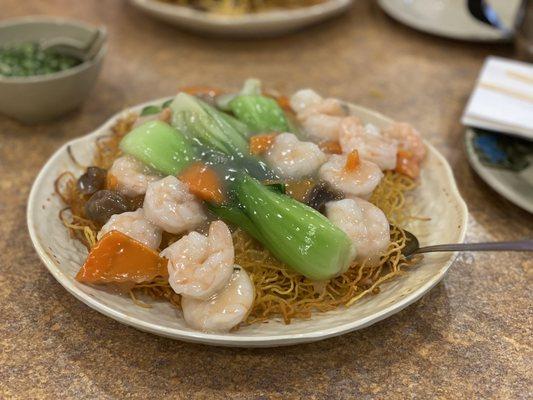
(279, 292)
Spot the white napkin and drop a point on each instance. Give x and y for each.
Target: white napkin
(503, 98)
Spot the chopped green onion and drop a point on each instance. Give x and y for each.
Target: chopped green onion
(29, 59)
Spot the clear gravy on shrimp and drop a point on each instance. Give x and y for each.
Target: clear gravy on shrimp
(198, 265)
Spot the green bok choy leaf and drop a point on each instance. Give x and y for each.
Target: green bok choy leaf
(259, 113)
(251, 86)
(160, 146)
(294, 233)
(204, 124)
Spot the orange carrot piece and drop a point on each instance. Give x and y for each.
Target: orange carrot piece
(407, 164)
(202, 91)
(330, 147)
(117, 258)
(299, 190)
(261, 143)
(352, 161)
(282, 100)
(284, 103)
(203, 182)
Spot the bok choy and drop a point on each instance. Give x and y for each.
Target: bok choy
(294, 233)
(221, 138)
(207, 126)
(259, 113)
(160, 146)
(251, 86)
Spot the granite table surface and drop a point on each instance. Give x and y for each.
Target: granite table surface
(470, 337)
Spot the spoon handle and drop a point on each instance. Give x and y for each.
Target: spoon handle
(519, 245)
(96, 42)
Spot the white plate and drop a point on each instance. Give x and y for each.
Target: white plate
(517, 187)
(437, 197)
(450, 18)
(268, 23)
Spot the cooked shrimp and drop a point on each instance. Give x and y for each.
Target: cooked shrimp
(225, 309)
(364, 223)
(291, 158)
(331, 107)
(320, 118)
(322, 127)
(354, 182)
(135, 225)
(169, 205)
(308, 101)
(198, 265)
(303, 99)
(409, 139)
(130, 177)
(367, 140)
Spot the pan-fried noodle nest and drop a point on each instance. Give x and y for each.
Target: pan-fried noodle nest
(279, 292)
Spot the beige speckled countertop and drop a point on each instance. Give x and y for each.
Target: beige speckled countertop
(470, 337)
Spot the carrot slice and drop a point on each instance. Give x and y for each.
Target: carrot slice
(407, 164)
(261, 143)
(330, 147)
(284, 103)
(202, 90)
(282, 100)
(299, 190)
(352, 161)
(117, 258)
(203, 182)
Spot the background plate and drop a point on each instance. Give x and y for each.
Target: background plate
(450, 18)
(437, 197)
(269, 23)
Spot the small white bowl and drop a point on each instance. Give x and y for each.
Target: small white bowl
(451, 18)
(42, 97)
(437, 197)
(269, 23)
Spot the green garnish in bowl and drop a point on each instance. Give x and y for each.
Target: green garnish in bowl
(28, 59)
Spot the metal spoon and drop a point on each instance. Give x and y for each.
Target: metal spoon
(83, 51)
(413, 246)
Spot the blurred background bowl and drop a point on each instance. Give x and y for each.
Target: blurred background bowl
(43, 97)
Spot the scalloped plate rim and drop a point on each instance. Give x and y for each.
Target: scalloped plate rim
(228, 339)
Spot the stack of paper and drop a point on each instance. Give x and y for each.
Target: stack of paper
(503, 98)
